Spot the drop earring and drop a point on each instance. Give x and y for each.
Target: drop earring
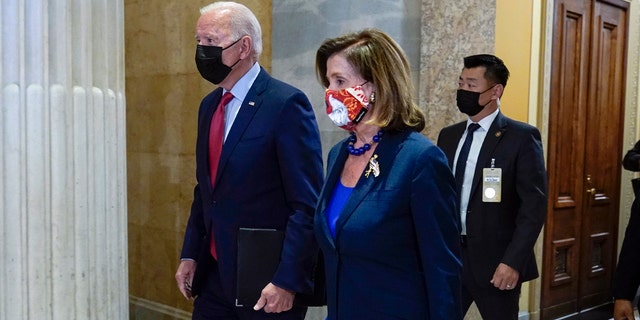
(372, 97)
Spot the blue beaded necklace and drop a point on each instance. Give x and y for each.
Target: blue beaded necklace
(366, 147)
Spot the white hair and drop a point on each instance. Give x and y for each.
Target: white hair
(242, 22)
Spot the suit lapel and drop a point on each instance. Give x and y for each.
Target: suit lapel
(387, 150)
(333, 175)
(496, 131)
(250, 105)
(450, 146)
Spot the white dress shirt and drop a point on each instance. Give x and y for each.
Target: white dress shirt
(239, 91)
(474, 151)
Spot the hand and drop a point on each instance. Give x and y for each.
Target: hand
(184, 277)
(623, 310)
(505, 277)
(274, 299)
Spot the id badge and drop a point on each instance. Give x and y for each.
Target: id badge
(491, 184)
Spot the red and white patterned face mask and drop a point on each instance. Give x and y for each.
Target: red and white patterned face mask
(346, 107)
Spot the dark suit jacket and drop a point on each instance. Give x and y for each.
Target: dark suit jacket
(396, 251)
(504, 232)
(269, 176)
(627, 276)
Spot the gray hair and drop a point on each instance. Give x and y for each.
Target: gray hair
(242, 22)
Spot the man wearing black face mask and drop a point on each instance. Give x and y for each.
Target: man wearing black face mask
(501, 178)
(258, 166)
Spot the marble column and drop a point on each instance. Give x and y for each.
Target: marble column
(63, 240)
(451, 30)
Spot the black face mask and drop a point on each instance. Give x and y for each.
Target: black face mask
(209, 63)
(468, 101)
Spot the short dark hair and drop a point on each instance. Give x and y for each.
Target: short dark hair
(495, 70)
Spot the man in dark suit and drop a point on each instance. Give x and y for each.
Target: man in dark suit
(267, 174)
(627, 277)
(502, 187)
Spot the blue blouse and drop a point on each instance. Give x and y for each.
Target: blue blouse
(336, 203)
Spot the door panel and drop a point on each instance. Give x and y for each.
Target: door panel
(584, 154)
(567, 111)
(603, 153)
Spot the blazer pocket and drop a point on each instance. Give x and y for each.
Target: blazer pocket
(252, 137)
(501, 162)
(382, 195)
(504, 235)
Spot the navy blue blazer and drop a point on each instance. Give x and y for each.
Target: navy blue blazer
(504, 231)
(396, 254)
(269, 176)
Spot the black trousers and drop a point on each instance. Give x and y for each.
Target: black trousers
(211, 304)
(493, 303)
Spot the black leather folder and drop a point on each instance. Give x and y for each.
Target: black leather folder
(258, 259)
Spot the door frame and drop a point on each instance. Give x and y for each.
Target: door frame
(539, 112)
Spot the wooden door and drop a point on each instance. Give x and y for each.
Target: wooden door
(584, 154)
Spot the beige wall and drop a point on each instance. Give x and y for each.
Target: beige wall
(513, 46)
(163, 90)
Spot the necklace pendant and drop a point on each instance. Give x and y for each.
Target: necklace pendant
(374, 167)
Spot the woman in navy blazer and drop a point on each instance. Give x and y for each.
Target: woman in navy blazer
(386, 217)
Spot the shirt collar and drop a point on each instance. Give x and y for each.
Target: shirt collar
(241, 88)
(485, 123)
